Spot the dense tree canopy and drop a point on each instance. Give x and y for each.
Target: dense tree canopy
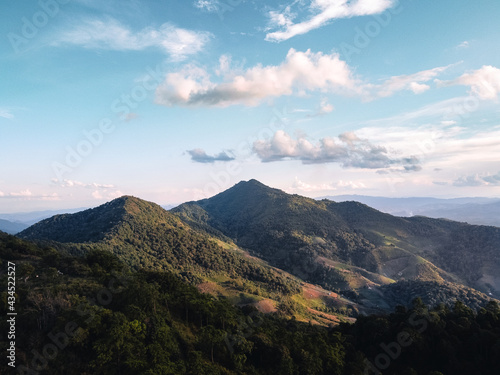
(91, 315)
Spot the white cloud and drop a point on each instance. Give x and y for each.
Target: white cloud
(325, 107)
(478, 179)
(105, 194)
(454, 160)
(464, 44)
(347, 149)
(444, 148)
(74, 184)
(323, 11)
(413, 82)
(448, 122)
(224, 65)
(49, 197)
(110, 34)
(299, 73)
(22, 193)
(26, 194)
(207, 5)
(301, 186)
(484, 82)
(100, 191)
(351, 185)
(5, 113)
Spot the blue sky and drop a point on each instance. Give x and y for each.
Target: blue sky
(172, 101)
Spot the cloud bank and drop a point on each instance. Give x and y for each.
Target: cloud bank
(300, 73)
(478, 180)
(347, 149)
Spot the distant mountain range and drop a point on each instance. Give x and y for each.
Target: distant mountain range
(16, 222)
(481, 211)
(252, 242)
(11, 227)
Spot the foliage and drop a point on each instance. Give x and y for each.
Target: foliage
(293, 232)
(110, 320)
(145, 236)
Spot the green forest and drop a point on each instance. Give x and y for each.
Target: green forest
(92, 314)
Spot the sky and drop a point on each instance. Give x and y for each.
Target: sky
(178, 100)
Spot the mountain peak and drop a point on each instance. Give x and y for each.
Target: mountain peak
(94, 224)
(251, 187)
(253, 182)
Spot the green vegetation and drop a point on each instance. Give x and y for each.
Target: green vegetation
(92, 315)
(145, 236)
(255, 240)
(297, 233)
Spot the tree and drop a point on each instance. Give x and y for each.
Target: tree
(212, 337)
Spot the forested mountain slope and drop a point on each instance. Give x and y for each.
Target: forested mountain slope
(144, 235)
(298, 233)
(92, 315)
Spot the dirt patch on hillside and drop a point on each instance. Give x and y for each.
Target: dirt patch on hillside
(324, 317)
(208, 288)
(310, 291)
(266, 306)
(327, 319)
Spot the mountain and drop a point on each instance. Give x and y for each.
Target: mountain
(145, 236)
(348, 245)
(11, 227)
(257, 245)
(480, 211)
(483, 214)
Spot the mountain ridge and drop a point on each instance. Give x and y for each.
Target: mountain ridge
(473, 210)
(276, 241)
(11, 227)
(271, 223)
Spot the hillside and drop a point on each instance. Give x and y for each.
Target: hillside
(483, 214)
(258, 245)
(297, 234)
(145, 236)
(108, 320)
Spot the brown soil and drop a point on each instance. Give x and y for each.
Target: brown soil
(208, 288)
(265, 306)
